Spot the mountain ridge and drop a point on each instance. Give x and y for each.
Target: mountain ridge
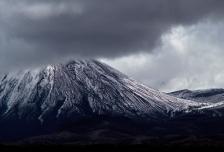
(213, 95)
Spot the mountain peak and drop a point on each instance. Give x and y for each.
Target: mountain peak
(78, 89)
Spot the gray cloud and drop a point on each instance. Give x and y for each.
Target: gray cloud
(189, 57)
(39, 31)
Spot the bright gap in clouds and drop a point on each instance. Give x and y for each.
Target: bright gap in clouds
(189, 58)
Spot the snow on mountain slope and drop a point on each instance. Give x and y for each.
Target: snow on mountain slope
(208, 95)
(82, 88)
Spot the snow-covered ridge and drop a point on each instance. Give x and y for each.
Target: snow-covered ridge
(207, 95)
(82, 88)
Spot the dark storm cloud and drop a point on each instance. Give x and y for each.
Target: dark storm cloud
(33, 31)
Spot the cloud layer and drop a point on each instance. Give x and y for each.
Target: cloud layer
(40, 31)
(167, 44)
(189, 57)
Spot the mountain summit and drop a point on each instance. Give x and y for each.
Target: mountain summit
(57, 96)
(81, 88)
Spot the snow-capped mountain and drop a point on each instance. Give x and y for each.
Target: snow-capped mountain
(83, 94)
(80, 88)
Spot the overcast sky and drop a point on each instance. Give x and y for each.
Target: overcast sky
(166, 44)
